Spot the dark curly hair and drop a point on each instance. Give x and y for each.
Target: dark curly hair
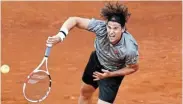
(117, 10)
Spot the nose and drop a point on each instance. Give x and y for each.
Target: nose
(111, 31)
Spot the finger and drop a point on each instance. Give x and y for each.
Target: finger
(94, 73)
(105, 71)
(49, 37)
(96, 79)
(49, 42)
(95, 76)
(53, 39)
(49, 45)
(98, 73)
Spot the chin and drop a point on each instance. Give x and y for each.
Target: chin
(112, 42)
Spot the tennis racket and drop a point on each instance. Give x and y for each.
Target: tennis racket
(38, 83)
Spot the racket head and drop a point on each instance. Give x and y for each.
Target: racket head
(37, 86)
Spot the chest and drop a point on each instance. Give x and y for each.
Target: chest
(113, 53)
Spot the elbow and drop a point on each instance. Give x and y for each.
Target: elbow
(136, 68)
(73, 19)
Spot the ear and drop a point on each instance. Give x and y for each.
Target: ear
(123, 29)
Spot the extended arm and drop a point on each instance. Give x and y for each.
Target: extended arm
(76, 21)
(70, 23)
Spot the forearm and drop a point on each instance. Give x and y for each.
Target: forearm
(124, 71)
(69, 23)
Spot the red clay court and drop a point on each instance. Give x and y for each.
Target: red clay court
(157, 27)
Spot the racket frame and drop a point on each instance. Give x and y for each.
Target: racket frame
(44, 60)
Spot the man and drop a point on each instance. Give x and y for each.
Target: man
(115, 55)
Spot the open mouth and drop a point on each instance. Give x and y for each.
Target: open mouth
(111, 36)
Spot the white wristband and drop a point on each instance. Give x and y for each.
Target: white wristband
(63, 33)
(64, 30)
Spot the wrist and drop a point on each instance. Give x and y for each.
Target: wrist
(110, 74)
(115, 73)
(63, 33)
(65, 30)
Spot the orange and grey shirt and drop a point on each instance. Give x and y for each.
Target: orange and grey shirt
(113, 57)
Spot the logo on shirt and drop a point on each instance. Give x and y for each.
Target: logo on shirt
(116, 51)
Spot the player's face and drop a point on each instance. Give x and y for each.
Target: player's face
(114, 31)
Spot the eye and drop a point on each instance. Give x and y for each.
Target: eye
(109, 27)
(115, 28)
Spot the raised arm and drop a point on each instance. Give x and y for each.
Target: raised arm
(76, 21)
(69, 24)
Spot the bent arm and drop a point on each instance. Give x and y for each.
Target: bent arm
(125, 71)
(76, 21)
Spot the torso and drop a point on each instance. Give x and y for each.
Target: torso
(112, 57)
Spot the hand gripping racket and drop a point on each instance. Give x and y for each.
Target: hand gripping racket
(38, 83)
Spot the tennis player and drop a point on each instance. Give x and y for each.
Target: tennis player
(115, 54)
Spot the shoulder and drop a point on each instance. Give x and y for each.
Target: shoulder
(130, 42)
(97, 26)
(129, 37)
(94, 23)
(97, 21)
(128, 45)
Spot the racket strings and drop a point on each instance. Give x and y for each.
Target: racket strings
(37, 78)
(37, 86)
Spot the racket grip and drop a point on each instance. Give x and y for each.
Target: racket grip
(47, 53)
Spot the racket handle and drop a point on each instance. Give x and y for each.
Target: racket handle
(47, 53)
